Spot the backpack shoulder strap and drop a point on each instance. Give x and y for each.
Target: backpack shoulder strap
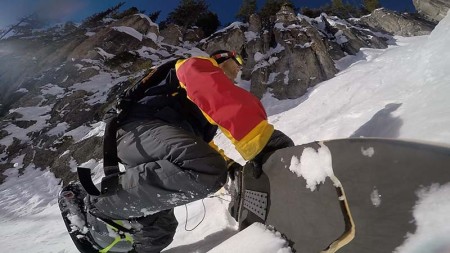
(110, 161)
(135, 92)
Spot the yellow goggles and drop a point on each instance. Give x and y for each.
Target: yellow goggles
(237, 58)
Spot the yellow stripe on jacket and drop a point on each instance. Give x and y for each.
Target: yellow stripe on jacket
(238, 113)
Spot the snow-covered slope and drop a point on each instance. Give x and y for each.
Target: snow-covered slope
(399, 92)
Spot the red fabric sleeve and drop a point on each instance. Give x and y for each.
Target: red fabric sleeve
(230, 106)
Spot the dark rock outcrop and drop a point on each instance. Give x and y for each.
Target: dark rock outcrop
(140, 23)
(345, 38)
(397, 24)
(129, 33)
(194, 34)
(296, 52)
(232, 38)
(172, 35)
(434, 10)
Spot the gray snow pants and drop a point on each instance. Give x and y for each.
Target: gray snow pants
(166, 166)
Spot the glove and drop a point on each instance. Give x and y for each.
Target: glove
(233, 168)
(278, 140)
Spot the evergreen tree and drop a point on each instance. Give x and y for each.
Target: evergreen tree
(208, 22)
(271, 7)
(187, 13)
(154, 16)
(193, 12)
(97, 17)
(342, 10)
(27, 24)
(337, 8)
(248, 8)
(371, 5)
(337, 4)
(311, 12)
(131, 11)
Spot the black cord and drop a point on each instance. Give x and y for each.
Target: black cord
(187, 214)
(220, 198)
(204, 212)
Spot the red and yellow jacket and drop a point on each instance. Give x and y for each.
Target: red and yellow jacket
(239, 114)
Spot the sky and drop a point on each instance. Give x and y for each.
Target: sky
(77, 10)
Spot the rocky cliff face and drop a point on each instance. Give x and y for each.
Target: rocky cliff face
(298, 52)
(111, 40)
(397, 24)
(56, 85)
(434, 10)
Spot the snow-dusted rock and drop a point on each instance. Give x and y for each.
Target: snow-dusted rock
(175, 35)
(286, 15)
(255, 24)
(288, 58)
(397, 24)
(346, 38)
(194, 34)
(172, 35)
(112, 40)
(139, 22)
(434, 10)
(229, 38)
(295, 52)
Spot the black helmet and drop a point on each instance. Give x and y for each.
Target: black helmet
(223, 55)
